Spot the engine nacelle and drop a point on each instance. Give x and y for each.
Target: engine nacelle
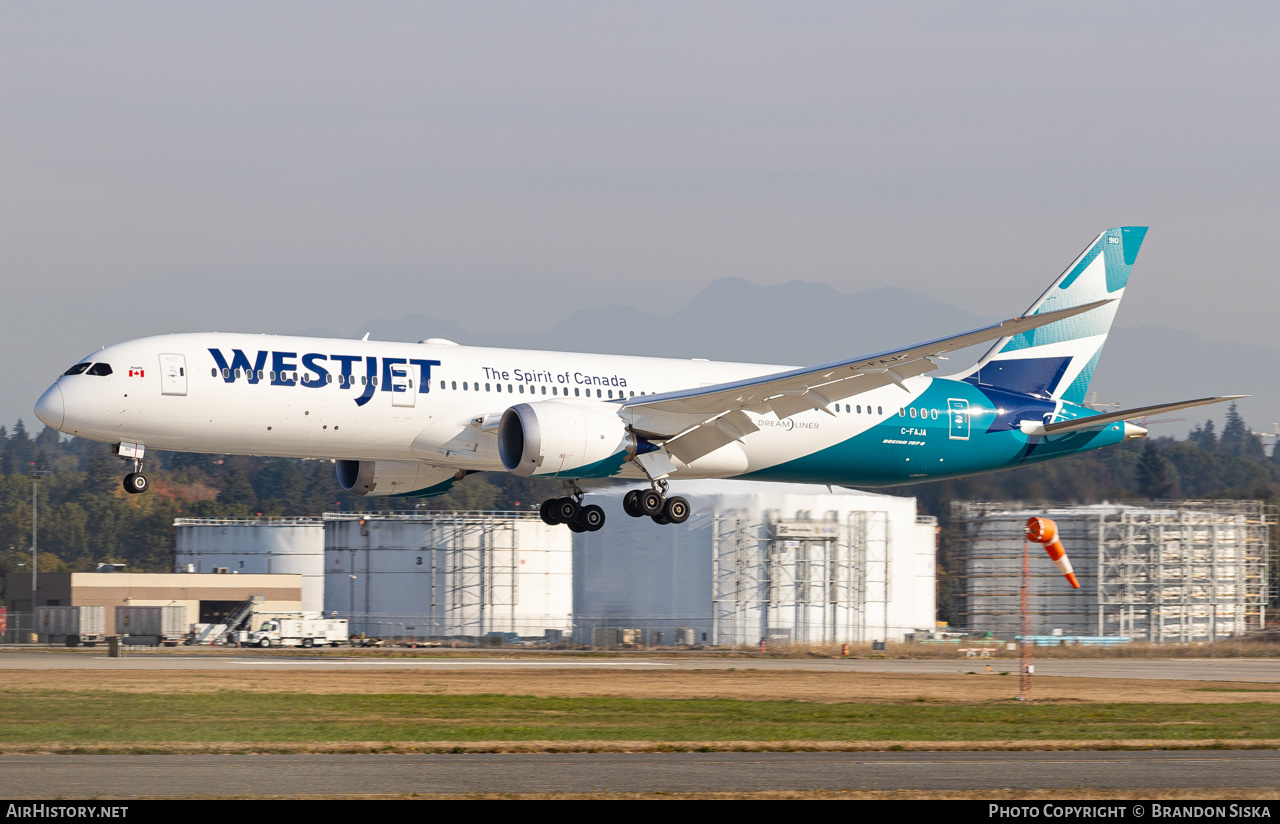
(393, 477)
(547, 439)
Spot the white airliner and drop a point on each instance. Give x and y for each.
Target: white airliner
(404, 419)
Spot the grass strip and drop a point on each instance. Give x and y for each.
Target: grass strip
(69, 718)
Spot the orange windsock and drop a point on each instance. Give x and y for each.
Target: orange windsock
(1045, 531)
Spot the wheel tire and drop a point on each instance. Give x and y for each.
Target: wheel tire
(548, 512)
(574, 526)
(308, 643)
(264, 642)
(660, 519)
(651, 502)
(631, 504)
(591, 517)
(136, 482)
(676, 510)
(566, 509)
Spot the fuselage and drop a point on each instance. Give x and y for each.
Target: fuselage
(428, 402)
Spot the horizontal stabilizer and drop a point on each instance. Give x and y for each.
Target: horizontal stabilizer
(1095, 421)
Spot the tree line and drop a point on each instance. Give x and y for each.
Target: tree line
(86, 517)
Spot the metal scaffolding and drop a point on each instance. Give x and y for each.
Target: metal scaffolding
(1170, 572)
(801, 580)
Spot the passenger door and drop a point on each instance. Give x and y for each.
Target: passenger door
(173, 375)
(958, 417)
(403, 391)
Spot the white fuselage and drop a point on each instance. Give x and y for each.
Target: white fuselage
(384, 401)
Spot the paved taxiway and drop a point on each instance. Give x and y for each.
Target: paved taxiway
(1183, 669)
(46, 777)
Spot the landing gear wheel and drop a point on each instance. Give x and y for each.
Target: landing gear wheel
(676, 510)
(574, 526)
(651, 501)
(660, 519)
(591, 517)
(566, 510)
(631, 504)
(548, 512)
(136, 482)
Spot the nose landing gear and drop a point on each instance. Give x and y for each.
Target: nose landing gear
(135, 482)
(654, 503)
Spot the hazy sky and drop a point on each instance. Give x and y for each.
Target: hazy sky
(281, 166)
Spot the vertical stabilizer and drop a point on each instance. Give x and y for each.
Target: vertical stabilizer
(1057, 360)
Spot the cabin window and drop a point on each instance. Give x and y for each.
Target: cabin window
(522, 389)
(259, 374)
(328, 378)
(453, 385)
(598, 393)
(576, 391)
(902, 413)
(879, 410)
(509, 389)
(486, 387)
(544, 390)
(373, 380)
(464, 386)
(306, 379)
(77, 369)
(499, 387)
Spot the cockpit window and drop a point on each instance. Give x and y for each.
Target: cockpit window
(102, 369)
(77, 369)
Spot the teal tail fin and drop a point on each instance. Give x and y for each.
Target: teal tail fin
(1057, 361)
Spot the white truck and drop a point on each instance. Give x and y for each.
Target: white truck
(72, 625)
(300, 631)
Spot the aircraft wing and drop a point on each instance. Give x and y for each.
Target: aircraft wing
(696, 422)
(1096, 421)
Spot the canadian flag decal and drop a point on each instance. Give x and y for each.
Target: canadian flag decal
(135, 373)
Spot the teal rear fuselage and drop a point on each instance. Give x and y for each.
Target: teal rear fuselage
(953, 428)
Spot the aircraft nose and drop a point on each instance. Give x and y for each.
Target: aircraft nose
(51, 409)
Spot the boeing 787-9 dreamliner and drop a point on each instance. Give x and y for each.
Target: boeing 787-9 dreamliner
(406, 420)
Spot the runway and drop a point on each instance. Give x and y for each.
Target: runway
(47, 777)
(1181, 669)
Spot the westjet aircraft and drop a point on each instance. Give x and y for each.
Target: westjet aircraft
(407, 420)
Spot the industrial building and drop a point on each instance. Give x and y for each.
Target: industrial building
(1166, 573)
(782, 562)
(448, 574)
(261, 546)
(207, 598)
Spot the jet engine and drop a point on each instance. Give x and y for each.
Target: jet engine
(392, 477)
(549, 439)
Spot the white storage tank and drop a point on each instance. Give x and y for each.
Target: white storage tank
(447, 575)
(293, 546)
(785, 562)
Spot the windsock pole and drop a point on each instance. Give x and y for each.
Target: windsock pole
(1024, 649)
(1045, 531)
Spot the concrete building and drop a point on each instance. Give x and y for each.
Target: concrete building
(1167, 573)
(260, 546)
(206, 597)
(788, 562)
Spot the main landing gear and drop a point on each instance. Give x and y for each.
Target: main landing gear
(570, 511)
(655, 504)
